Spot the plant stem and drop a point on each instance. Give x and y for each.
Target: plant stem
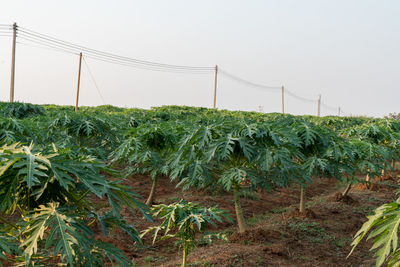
(239, 212)
(367, 182)
(150, 199)
(184, 256)
(302, 205)
(29, 198)
(346, 191)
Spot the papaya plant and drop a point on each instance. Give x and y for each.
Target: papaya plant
(49, 192)
(146, 149)
(321, 153)
(235, 156)
(183, 220)
(383, 228)
(19, 110)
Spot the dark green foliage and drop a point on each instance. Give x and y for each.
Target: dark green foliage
(20, 110)
(49, 188)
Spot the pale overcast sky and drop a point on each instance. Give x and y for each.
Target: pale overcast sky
(346, 50)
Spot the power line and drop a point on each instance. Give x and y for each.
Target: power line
(87, 50)
(328, 107)
(300, 97)
(100, 57)
(94, 81)
(264, 87)
(122, 63)
(243, 81)
(49, 48)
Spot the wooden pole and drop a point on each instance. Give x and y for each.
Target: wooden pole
(319, 106)
(79, 82)
(215, 87)
(13, 62)
(283, 100)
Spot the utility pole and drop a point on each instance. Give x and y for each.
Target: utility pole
(339, 111)
(215, 87)
(79, 82)
(319, 106)
(13, 62)
(283, 100)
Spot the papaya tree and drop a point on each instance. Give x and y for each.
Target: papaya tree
(320, 154)
(374, 146)
(183, 220)
(49, 191)
(146, 149)
(235, 156)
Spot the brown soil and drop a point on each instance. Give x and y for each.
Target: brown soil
(278, 234)
(338, 197)
(308, 213)
(256, 235)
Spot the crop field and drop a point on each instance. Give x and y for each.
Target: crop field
(185, 186)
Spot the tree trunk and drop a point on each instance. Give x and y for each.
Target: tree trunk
(302, 206)
(239, 212)
(367, 182)
(346, 191)
(150, 199)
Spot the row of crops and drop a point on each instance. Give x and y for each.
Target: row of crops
(55, 163)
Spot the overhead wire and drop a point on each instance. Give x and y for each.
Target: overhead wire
(300, 97)
(45, 47)
(264, 87)
(80, 48)
(243, 81)
(108, 59)
(122, 63)
(94, 81)
(329, 107)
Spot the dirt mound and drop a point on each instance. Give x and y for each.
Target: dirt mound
(281, 248)
(307, 214)
(235, 255)
(371, 186)
(257, 235)
(338, 197)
